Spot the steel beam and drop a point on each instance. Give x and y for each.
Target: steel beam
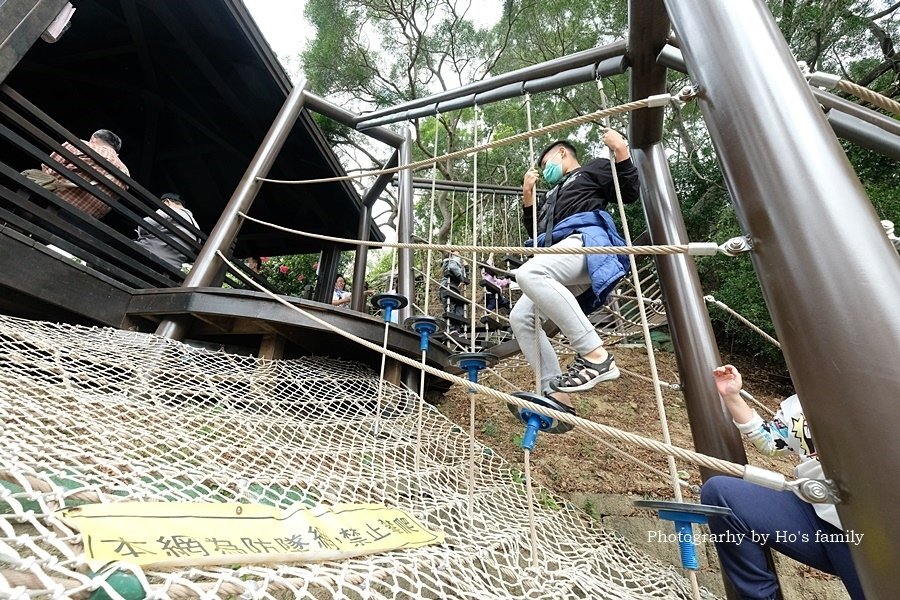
(544, 69)
(850, 121)
(832, 102)
(648, 27)
(610, 66)
(864, 133)
(829, 275)
(696, 351)
(22, 25)
(345, 117)
(225, 232)
(671, 58)
(450, 185)
(328, 272)
(695, 345)
(358, 300)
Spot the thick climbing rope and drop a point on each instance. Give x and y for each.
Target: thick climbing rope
(384, 343)
(831, 81)
(536, 313)
(473, 268)
(472, 332)
(425, 310)
(697, 458)
(870, 96)
(538, 366)
(660, 100)
(711, 300)
(431, 217)
(645, 327)
(693, 248)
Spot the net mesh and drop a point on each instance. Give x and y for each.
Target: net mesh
(93, 414)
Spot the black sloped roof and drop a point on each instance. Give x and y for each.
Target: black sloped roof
(192, 88)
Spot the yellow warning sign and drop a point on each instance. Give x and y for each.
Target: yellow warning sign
(186, 533)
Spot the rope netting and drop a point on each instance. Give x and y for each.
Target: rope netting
(101, 415)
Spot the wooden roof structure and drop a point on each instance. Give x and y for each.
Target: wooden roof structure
(192, 88)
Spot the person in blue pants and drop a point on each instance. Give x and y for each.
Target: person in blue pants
(808, 533)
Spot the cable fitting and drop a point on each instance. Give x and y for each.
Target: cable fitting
(736, 245)
(814, 491)
(702, 249)
(659, 100)
(889, 230)
(764, 477)
(824, 80)
(687, 93)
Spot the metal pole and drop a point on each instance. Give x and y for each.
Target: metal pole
(672, 58)
(225, 232)
(863, 133)
(451, 185)
(544, 69)
(832, 102)
(610, 66)
(696, 351)
(358, 300)
(830, 277)
(695, 344)
(648, 26)
(345, 117)
(328, 270)
(405, 218)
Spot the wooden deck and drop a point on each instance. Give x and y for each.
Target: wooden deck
(38, 283)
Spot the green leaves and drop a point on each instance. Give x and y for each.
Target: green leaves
(377, 53)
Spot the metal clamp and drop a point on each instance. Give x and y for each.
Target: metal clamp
(659, 101)
(815, 491)
(702, 249)
(889, 230)
(736, 245)
(824, 80)
(687, 93)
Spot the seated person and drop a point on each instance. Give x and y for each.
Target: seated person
(253, 263)
(160, 248)
(765, 512)
(106, 144)
(341, 297)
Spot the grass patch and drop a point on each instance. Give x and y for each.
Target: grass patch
(490, 429)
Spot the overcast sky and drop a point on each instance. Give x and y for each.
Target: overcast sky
(287, 31)
(284, 27)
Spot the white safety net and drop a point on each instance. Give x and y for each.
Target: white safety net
(101, 415)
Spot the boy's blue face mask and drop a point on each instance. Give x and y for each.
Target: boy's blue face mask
(552, 172)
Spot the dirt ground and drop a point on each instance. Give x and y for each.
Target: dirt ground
(585, 469)
(580, 462)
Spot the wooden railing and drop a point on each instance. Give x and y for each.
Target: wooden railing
(30, 136)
